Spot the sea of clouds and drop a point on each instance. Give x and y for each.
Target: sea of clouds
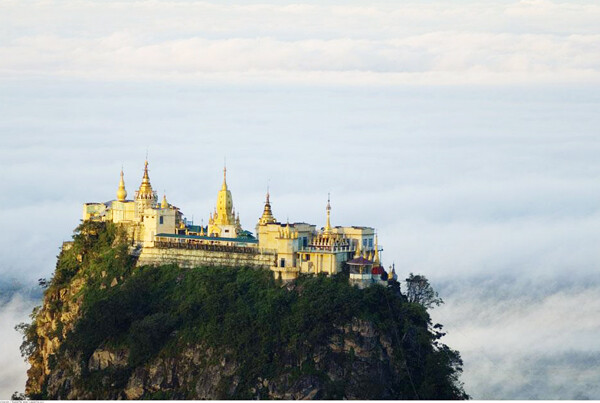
(466, 133)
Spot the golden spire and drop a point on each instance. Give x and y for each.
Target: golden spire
(121, 192)
(224, 209)
(146, 178)
(267, 216)
(357, 253)
(328, 208)
(376, 255)
(145, 191)
(164, 203)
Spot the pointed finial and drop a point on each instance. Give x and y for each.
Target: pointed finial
(224, 187)
(146, 169)
(268, 190)
(328, 208)
(267, 216)
(376, 254)
(121, 192)
(145, 191)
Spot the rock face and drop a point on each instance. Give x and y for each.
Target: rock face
(51, 328)
(110, 329)
(350, 361)
(102, 359)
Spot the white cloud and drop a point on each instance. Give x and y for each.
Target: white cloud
(12, 366)
(526, 339)
(381, 44)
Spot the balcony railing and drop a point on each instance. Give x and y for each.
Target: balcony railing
(212, 247)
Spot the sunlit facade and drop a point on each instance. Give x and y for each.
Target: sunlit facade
(158, 228)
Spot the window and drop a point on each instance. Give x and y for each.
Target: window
(370, 242)
(161, 220)
(282, 263)
(307, 257)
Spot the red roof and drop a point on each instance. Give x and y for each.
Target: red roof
(377, 270)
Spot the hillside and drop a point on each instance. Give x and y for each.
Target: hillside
(109, 330)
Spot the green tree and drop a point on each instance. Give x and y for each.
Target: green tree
(419, 291)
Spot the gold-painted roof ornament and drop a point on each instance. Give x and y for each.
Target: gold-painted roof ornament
(328, 208)
(376, 259)
(357, 253)
(145, 191)
(164, 203)
(121, 192)
(267, 216)
(224, 209)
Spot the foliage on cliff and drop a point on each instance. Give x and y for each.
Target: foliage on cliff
(317, 334)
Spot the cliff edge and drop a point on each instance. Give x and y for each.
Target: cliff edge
(110, 330)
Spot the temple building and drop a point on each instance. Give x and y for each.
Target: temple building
(144, 216)
(160, 234)
(223, 222)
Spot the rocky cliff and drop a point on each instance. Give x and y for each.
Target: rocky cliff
(109, 330)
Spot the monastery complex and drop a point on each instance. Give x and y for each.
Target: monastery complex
(159, 234)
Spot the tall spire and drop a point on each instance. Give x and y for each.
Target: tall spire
(224, 209)
(224, 187)
(146, 178)
(145, 190)
(267, 216)
(357, 253)
(328, 208)
(376, 254)
(121, 192)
